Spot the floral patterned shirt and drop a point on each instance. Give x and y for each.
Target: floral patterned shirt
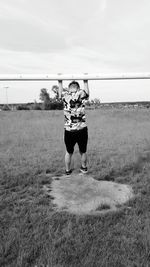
(74, 110)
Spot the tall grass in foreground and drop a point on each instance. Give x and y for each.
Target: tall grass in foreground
(31, 232)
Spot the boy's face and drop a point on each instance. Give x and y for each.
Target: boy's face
(73, 88)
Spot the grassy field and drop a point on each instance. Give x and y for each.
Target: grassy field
(32, 233)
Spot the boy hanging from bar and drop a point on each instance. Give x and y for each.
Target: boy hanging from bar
(75, 127)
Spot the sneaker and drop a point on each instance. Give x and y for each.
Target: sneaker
(83, 169)
(68, 172)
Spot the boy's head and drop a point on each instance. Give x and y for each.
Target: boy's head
(74, 86)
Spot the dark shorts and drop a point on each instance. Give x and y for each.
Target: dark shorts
(72, 137)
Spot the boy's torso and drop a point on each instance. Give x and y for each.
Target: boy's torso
(74, 111)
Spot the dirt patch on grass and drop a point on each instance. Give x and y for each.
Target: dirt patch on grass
(81, 194)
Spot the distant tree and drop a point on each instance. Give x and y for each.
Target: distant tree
(44, 95)
(55, 89)
(92, 102)
(48, 102)
(88, 103)
(45, 98)
(97, 101)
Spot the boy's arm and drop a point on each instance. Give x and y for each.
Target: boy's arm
(86, 87)
(61, 90)
(85, 92)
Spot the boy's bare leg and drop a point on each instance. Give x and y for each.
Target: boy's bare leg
(68, 161)
(83, 159)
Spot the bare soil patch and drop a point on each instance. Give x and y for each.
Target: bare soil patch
(81, 194)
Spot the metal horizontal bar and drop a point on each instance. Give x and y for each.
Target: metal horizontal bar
(84, 76)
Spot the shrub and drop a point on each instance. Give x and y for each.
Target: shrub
(56, 105)
(52, 105)
(36, 106)
(6, 108)
(22, 107)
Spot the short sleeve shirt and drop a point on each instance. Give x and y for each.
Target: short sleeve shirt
(74, 110)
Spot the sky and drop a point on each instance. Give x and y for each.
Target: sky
(75, 36)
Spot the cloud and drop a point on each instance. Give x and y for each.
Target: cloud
(104, 35)
(25, 30)
(27, 37)
(103, 5)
